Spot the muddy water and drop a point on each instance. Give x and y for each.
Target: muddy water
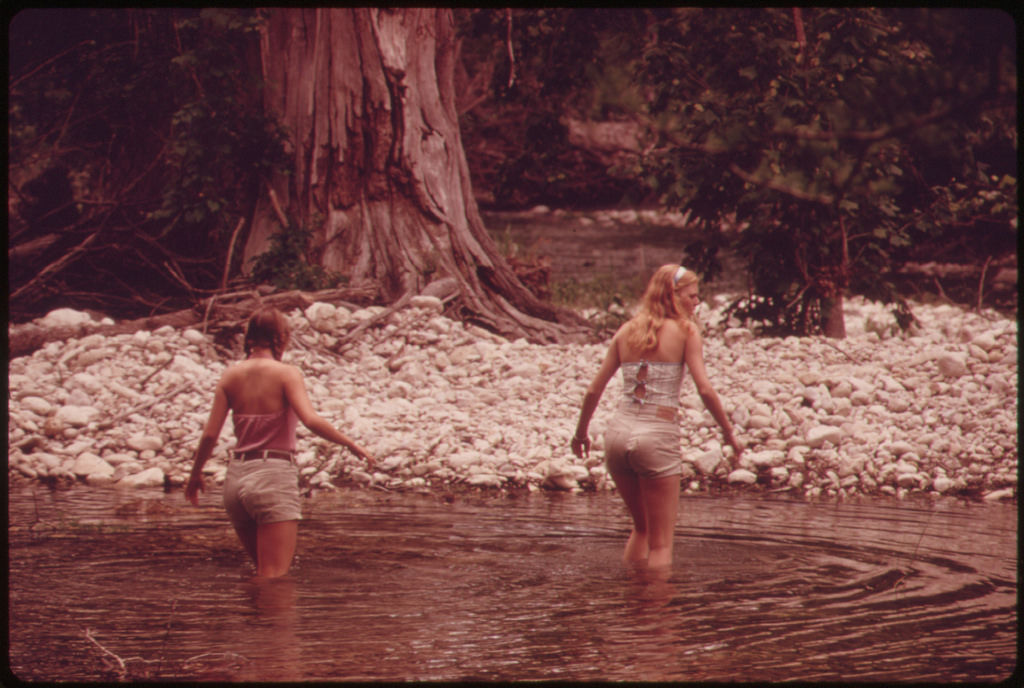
(106, 585)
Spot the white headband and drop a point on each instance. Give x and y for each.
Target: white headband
(679, 275)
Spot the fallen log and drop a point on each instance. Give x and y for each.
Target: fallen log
(221, 312)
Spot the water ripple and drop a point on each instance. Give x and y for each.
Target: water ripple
(393, 587)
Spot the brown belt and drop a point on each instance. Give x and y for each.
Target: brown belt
(663, 412)
(265, 454)
(666, 412)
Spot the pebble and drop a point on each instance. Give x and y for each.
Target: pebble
(440, 403)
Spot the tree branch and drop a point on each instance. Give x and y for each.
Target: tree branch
(824, 199)
(231, 251)
(56, 266)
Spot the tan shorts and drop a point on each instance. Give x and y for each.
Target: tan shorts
(261, 491)
(643, 440)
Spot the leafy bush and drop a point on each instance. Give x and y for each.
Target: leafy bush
(286, 266)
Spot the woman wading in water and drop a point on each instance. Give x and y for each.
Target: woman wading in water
(267, 398)
(642, 439)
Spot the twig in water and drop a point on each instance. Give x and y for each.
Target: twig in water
(163, 646)
(225, 655)
(120, 662)
(913, 555)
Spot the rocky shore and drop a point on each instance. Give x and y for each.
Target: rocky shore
(442, 404)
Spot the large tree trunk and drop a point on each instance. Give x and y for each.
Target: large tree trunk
(833, 322)
(380, 175)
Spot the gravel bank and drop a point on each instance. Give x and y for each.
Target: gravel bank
(440, 404)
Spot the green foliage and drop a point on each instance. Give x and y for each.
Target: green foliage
(571, 62)
(605, 292)
(286, 265)
(222, 146)
(836, 153)
(154, 119)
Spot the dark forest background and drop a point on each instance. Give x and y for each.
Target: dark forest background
(847, 143)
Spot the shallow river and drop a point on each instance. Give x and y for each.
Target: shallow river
(107, 585)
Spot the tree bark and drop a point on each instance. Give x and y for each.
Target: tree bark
(833, 321)
(380, 175)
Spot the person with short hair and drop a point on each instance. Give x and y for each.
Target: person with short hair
(267, 399)
(642, 438)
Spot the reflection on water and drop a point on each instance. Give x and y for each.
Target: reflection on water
(106, 584)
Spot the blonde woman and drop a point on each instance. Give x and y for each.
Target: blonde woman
(642, 439)
(267, 398)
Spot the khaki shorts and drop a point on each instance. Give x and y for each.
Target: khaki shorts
(261, 491)
(643, 440)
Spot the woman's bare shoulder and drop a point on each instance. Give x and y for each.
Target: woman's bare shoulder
(261, 366)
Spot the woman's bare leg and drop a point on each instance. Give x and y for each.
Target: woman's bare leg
(247, 536)
(628, 486)
(275, 547)
(660, 498)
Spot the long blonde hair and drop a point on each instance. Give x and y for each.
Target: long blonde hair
(659, 303)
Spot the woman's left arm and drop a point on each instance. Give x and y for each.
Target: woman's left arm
(694, 357)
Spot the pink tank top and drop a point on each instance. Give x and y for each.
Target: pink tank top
(266, 430)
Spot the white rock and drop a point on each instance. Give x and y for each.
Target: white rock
(37, 405)
(525, 370)
(843, 389)
(193, 336)
(486, 480)
(188, 367)
(391, 463)
(118, 459)
(1006, 493)
(764, 459)
(707, 462)
(464, 459)
(908, 480)
(65, 317)
(361, 477)
(505, 410)
(90, 464)
(900, 448)
(142, 442)
(742, 475)
(818, 435)
(560, 482)
(952, 364)
(430, 303)
(76, 416)
(737, 335)
(150, 477)
(986, 341)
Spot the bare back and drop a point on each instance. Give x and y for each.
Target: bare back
(256, 386)
(671, 345)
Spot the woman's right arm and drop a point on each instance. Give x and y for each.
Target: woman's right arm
(295, 392)
(581, 441)
(694, 357)
(208, 440)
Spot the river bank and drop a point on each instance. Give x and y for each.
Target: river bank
(442, 405)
